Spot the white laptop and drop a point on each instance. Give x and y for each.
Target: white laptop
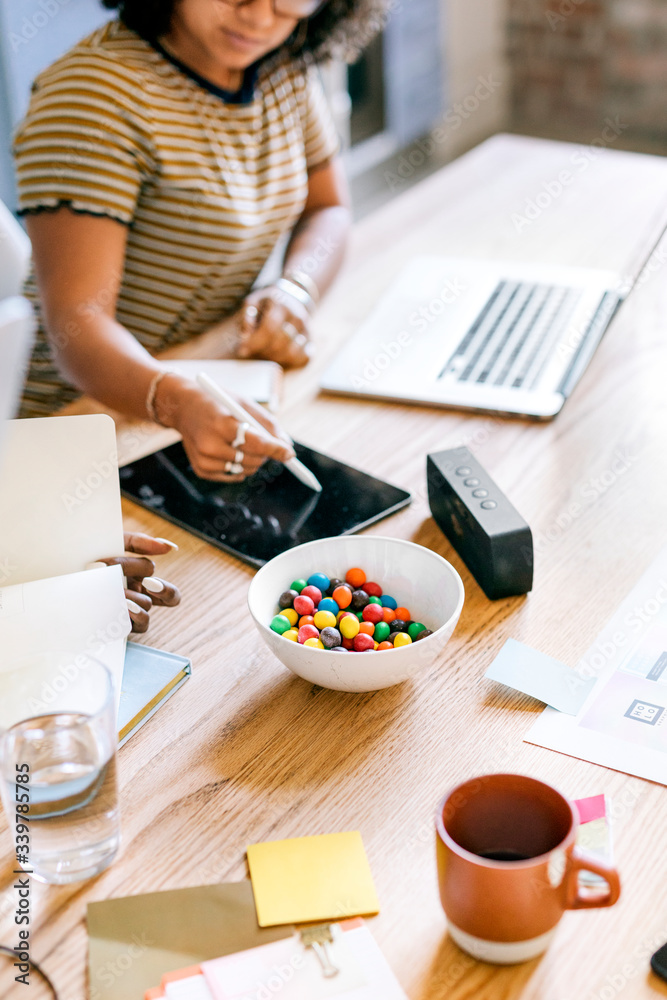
(482, 335)
(16, 333)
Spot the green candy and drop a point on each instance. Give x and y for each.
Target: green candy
(414, 629)
(381, 632)
(298, 585)
(374, 600)
(280, 624)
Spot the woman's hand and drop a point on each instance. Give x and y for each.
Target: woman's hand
(274, 326)
(219, 446)
(144, 590)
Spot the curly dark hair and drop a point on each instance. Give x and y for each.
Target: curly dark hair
(342, 28)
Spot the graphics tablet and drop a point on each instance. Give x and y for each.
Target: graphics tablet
(267, 513)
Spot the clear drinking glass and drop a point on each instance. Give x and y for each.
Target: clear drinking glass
(58, 744)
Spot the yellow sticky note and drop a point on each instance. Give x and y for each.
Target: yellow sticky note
(311, 878)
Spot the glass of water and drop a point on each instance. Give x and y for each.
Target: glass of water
(59, 785)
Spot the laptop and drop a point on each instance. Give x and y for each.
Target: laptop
(16, 333)
(507, 338)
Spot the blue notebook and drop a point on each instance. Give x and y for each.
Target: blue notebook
(150, 676)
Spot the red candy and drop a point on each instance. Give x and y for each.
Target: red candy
(307, 632)
(373, 613)
(362, 642)
(303, 604)
(348, 643)
(314, 593)
(373, 589)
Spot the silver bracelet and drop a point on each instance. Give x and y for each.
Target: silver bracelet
(297, 292)
(305, 281)
(150, 396)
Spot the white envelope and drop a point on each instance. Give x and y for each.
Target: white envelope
(78, 613)
(59, 497)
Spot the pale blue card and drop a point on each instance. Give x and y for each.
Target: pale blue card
(531, 672)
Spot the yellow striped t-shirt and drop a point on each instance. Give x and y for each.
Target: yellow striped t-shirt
(207, 182)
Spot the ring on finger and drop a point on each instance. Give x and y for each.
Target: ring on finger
(241, 432)
(291, 331)
(239, 457)
(233, 468)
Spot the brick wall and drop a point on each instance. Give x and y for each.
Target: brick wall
(577, 63)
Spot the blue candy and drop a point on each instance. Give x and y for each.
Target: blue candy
(388, 602)
(319, 580)
(328, 604)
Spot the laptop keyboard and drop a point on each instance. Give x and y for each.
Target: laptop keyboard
(515, 335)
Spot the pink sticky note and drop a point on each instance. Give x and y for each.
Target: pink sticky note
(591, 808)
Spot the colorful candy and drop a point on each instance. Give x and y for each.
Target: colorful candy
(356, 577)
(280, 624)
(324, 619)
(304, 605)
(328, 604)
(350, 615)
(342, 596)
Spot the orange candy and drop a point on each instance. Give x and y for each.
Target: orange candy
(385, 645)
(367, 627)
(342, 596)
(355, 577)
(306, 620)
(388, 614)
(403, 614)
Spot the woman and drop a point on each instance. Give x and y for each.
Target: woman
(161, 161)
(143, 589)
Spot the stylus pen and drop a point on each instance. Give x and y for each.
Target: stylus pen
(296, 467)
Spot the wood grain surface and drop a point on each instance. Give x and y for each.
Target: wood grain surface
(246, 752)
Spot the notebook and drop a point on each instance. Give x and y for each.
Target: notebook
(152, 934)
(150, 677)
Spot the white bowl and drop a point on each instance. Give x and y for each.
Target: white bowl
(418, 578)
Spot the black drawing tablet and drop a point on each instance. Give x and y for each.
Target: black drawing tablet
(266, 514)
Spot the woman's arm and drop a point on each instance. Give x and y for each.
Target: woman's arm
(316, 249)
(79, 264)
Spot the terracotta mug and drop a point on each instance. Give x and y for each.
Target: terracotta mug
(508, 866)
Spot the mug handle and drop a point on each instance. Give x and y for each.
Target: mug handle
(574, 898)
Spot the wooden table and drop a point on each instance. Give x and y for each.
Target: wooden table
(246, 752)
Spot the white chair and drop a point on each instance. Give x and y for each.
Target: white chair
(14, 254)
(17, 325)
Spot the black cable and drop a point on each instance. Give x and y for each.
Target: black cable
(31, 962)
